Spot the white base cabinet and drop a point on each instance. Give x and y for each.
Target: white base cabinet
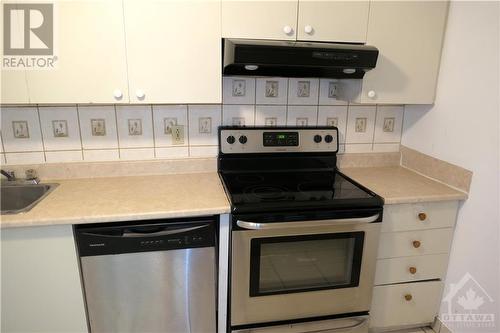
(41, 289)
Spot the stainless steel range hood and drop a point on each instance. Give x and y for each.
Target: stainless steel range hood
(297, 59)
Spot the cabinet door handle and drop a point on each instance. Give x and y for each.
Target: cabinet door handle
(140, 94)
(408, 297)
(422, 216)
(118, 94)
(413, 270)
(372, 94)
(416, 244)
(287, 30)
(308, 29)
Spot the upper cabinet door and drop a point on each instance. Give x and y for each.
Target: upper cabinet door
(90, 50)
(333, 21)
(173, 51)
(409, 36)
(259, 19)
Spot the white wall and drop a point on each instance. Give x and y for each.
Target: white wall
(463, 128)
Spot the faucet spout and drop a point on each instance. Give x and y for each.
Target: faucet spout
(9, 175)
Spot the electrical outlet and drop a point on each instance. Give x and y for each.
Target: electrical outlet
(389, 124)
(60, 128)
(134, 127)
(332, 89)
(238, 121)
(239, 88)
(271, 121)
(168, 123)
(360, 125)
(205, 125)
(98, 127)
(21, 130)
(177, 134)
(303, 88)
(301, 121)
(334, 121)
(272, 88)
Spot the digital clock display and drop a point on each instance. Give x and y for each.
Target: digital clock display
(280, 139)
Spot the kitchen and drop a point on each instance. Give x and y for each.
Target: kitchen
(322, 168)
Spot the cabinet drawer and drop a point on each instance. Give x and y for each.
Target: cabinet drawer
(429, 215)
(413, 243)
(405, 304)
(410, 269)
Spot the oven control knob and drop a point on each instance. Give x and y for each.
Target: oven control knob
(328, 138)
(317, 138)
(243, 139)
(230, 139)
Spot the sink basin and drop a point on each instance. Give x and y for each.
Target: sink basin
(20, 198)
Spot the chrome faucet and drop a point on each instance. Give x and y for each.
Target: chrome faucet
(10, 175)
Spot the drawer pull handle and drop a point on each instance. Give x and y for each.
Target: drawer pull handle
(413, 270)
(422, 216)
(408, 297)
(416, 244)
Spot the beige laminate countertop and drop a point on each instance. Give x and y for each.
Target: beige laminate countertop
(400, 185)
(126, 198)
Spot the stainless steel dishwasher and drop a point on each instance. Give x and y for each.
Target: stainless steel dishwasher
(156, 276)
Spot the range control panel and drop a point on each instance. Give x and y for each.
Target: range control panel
(241, 140)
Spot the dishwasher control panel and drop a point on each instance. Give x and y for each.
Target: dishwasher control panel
(158, 235)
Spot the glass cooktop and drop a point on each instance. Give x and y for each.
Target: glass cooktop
(264, 191)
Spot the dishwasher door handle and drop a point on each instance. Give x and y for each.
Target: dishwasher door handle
(302, 224)
(128, 233)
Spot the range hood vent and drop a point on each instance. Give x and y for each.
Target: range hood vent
(297, 59)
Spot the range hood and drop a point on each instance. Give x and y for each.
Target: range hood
(297, 59)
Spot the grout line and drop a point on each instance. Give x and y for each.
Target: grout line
(117, 131)
(79, 129)
(374, 126)
(188, 113)
(153, 129)
(41, 131)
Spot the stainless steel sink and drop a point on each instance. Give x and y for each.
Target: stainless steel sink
(20, 198)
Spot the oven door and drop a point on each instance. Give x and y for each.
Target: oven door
(291, 270)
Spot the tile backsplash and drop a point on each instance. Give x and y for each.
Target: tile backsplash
(39, 134)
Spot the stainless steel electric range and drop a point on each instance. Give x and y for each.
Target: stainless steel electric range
(304, 236)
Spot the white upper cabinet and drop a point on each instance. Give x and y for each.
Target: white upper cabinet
(333, 21)
(173, 51)
(259, 19)
(90, 49)
(409, 36)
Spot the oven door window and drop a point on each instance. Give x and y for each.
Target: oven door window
(293, 264)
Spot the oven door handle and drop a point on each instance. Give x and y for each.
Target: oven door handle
(302, 224)
(362, 322)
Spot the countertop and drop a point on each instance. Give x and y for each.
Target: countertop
(77, 201)
(92, 200)
(399, 185)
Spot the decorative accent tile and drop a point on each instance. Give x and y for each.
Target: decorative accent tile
(271, 90)
(60, 128)
(27, 116)
(99, 155)
(172, 152)
(238, 115)
(360, 124)
(203, 123)
(206, 151)
(335, 115)
(303, 91)
(328, 92)
(98, 127)
(302, 115)
(63, 156)
(25, 158)
(270, 115)
(389, 124)
(137, 154)
(238, 90)
(135, 126)
(166, 116)
(21, 130)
